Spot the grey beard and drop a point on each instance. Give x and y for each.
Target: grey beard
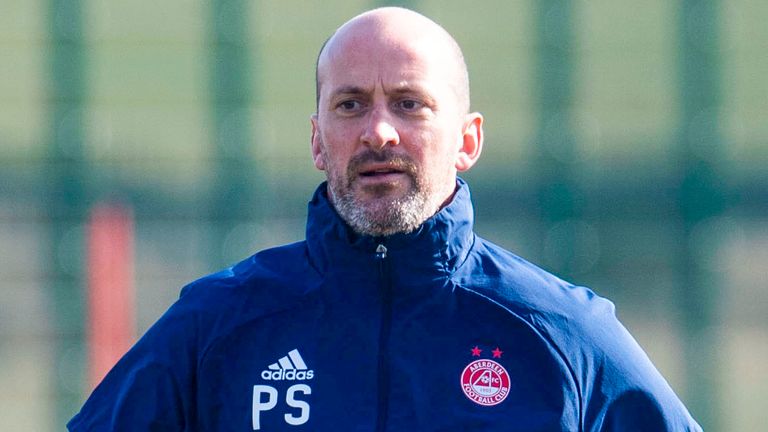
(381, 217)
(402, 215)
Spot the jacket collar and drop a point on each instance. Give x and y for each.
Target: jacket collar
(433, 251)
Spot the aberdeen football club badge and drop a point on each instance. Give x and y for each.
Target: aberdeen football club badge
(485, 381)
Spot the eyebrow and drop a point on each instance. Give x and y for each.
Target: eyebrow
(405, 89)
(349, 89)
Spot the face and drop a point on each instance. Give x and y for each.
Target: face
(389, 132)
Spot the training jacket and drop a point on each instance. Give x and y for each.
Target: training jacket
(436, 330)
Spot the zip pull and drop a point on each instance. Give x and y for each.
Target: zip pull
(381, 251)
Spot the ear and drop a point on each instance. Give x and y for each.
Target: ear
(316, 144)
(472, 142)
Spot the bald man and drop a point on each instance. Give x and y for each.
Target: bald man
(392, 315)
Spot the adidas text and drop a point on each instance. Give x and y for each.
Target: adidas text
(287, 375)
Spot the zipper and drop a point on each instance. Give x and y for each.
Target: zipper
(384, 331)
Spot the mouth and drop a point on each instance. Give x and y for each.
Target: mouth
(381, 172)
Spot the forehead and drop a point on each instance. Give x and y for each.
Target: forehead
(391, 60)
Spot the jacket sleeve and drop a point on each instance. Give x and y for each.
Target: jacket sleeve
(152, 387)
(642, 411)
(621, 389)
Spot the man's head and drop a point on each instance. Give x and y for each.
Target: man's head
(392, 126)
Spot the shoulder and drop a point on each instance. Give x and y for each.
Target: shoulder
(525, 288)
(572, 318)
(615, 378)
(167, 357)
(272, 278)
(271, 281)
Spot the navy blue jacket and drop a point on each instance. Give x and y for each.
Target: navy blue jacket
(436, 330)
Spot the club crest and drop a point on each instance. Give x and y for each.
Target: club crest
(484, 381)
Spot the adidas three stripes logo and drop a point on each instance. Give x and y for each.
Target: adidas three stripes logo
(290, 368)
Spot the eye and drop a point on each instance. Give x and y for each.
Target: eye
(349, 106)
(410, 105)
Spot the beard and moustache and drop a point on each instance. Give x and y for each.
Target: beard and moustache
(381, 215)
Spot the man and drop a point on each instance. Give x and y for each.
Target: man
(392, 314)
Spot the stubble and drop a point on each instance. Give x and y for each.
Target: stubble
(383, 213)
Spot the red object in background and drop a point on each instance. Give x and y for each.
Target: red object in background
(111, 324)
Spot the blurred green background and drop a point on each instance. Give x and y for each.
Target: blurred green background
(626, 149)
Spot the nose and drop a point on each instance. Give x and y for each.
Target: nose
(380, 131)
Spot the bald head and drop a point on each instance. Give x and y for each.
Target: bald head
(395, 28)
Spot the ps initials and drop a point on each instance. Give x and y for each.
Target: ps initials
(265, 399)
